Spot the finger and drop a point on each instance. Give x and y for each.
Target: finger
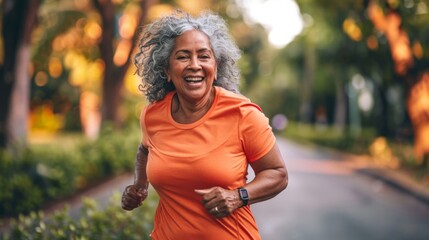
(204, 191)
(218, 212)
(127, 206)
(133, 197)
(137, 194)
(130, 202)
(141, 192)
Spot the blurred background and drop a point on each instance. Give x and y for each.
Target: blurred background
(352, 75)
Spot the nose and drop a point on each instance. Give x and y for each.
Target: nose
(194, 64)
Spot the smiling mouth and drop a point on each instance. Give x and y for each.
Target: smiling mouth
(194, 79)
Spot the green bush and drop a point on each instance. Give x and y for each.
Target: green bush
(93, 223)
(331, 137)
(48, 172)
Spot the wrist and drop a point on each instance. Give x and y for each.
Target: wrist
(142, 185)
(243, 196)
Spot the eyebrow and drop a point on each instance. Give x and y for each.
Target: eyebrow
(198, 51)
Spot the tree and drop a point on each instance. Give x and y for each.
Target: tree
(386, 42)
(116, 62)
(92, 42)
(18, 21)
(400, 24)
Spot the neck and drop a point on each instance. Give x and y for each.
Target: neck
(187, 111)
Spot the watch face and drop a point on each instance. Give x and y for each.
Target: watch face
(243, 194)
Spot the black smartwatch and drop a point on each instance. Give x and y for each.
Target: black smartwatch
(244, 196)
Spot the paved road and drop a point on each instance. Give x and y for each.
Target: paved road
(328, 199)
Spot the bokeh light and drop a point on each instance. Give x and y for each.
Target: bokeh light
(281, 18)
(41, 79)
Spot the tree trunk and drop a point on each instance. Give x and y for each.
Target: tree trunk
(382, 115)
(340, 105)
(111, 84)
(305, 108)
(114, 74)
(19, 20)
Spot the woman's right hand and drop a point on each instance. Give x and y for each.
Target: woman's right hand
(133, 196)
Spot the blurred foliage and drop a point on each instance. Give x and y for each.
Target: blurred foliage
(338, 35)
(66, 57)
(331, 137)
(55, 170)
(94, 222)
(339, 57)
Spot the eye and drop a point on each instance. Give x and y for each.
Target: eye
(205, 56)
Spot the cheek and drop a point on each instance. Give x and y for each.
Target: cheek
(212, 69)
(173, 72)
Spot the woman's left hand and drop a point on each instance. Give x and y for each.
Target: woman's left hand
(220, 202)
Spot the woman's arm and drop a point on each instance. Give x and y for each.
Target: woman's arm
(271, 177)
(140, 178)
(135, 194)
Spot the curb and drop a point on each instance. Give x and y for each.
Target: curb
(398, 181)
(363, 164)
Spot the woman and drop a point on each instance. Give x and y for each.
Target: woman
(199, 135)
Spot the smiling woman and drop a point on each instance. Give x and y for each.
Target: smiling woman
(192, 71)
(199, 136)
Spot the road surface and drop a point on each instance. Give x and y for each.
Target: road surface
(327, 199)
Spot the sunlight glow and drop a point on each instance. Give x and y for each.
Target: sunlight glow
(55, 67)
(41, 79)
(93, 30)
(281, 18)
(352, 29)
(417, 103)
(389, 24)
(90, 116)
(122, 52)
(418, 50)
(132, 81)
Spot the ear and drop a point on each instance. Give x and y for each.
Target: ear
(215, 73)
(167, 73)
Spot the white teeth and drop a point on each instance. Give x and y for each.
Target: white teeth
(194, 79)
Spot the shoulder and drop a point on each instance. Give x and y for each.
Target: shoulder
(161, 104)
(231, 96)
(228, 99)
(155, 112)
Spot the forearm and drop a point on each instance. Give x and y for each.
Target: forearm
(271, 177)
(140, 177)
(267, 184)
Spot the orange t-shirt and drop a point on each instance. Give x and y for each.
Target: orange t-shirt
(213, 151)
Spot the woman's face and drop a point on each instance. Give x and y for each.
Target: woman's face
(192, 66)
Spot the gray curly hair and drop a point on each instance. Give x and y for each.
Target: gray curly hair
(156, 44)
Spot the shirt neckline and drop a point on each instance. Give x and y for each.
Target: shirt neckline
(196, 123)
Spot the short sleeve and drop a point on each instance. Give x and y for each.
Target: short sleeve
(256, 134)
